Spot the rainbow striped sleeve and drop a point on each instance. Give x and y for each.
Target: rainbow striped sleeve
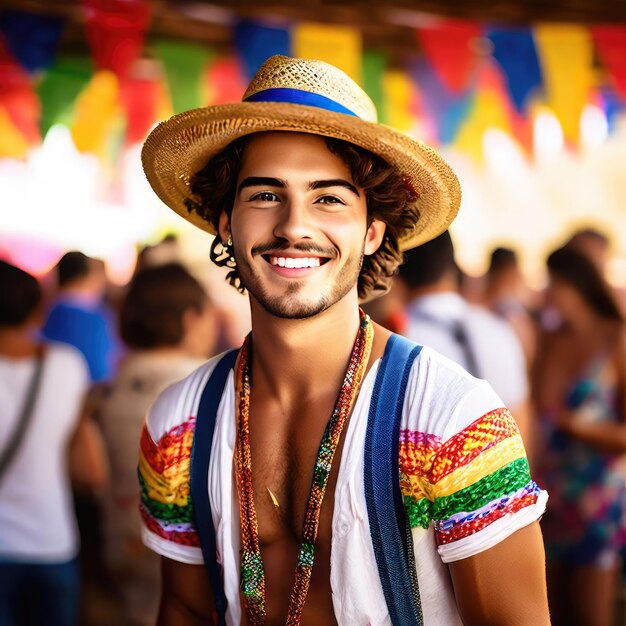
(469, 481)
(165, 506)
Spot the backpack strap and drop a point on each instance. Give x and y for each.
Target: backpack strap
(389, 526)
(199, 476)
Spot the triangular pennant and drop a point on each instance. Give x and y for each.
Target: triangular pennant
(610, 42)
(450, 47)
(32, 38)
(514, 49)
(566, 55)
(116, 31)
(338, 45)
(255, 42)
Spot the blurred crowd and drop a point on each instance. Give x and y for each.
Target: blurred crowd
(81, 362)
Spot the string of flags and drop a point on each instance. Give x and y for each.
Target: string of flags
(464, 78)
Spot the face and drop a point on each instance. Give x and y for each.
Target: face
(564, 297)
(299, 225)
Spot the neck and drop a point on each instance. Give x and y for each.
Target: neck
(299, 358)
(445, 285)
(17, 342)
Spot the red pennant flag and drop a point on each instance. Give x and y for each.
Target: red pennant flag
(225, 81)
(18, 97)
(610, 42)
(449, 46)
(140, 98)
(116, 31)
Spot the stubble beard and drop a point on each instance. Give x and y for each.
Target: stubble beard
(288, 305)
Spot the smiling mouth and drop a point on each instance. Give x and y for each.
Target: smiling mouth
(295, 262)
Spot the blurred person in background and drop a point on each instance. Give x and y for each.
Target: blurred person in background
(506, 294)
(439, 317)
(79, 315)
(168, 324)
(580, 392)
(42, 439)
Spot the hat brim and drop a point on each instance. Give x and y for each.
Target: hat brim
(181, 146)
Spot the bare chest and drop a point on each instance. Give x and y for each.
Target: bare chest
(284, 450)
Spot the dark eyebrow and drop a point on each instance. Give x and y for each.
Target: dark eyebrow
(260, 181)
(335, 182)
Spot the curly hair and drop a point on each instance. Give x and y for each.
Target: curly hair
(389, 197)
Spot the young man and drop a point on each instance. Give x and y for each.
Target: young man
(312, 202)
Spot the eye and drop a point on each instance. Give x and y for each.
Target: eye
(265, 196)
(330, 200)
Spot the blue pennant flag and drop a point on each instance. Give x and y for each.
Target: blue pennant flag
(32, 39)
(256, 42)
(514, 49)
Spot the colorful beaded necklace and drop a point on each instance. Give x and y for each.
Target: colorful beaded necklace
(252, 574)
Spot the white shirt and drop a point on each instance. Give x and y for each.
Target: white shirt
(37, 522)
(494, 344)
(451, 421)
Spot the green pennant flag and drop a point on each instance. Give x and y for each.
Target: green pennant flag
(183, 64)
(59, 89)
(374, 65)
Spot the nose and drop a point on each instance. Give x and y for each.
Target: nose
(293, 222)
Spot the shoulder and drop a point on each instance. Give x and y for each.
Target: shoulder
(178, 403)
(442, 398)
(67, 358)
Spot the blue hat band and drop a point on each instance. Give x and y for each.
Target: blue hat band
(297, 96)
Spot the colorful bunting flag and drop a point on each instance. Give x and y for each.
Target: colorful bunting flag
(514, 50)
(339, 45)
(566, 55)
(610, 42)
(59, 89)
(445, 109)
(184, 65)
(225, 81)
(449, 45)
(255, 42)
(13, 144)
(116, 31)
(140, 98)
(374, 65)
(18, 98)
(32, 38)
(96, 112)
(399, 99)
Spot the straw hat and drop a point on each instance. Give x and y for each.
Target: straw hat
(303, 96)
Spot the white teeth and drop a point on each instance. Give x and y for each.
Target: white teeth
(295, 262)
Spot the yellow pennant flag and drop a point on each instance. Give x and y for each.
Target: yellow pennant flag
(12, 143)
(566, 55)
(398, 90)
(97, 109)
(338, 45)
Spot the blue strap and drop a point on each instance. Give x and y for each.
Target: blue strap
(200, 456)
(389, 529)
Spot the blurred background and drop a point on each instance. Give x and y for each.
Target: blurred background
(526, 101)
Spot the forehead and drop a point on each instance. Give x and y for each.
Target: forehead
(282, 153)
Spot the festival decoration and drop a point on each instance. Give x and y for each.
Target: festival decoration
(183, 65)
(374, 65)
(450, 46)
(59, 89)
(514, 50)
(115, 32)
(566, 55)
(610, 42)
(339, 45)
(31, 38)
(255, 42)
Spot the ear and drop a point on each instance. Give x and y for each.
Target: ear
(223, 229)
(374, 236)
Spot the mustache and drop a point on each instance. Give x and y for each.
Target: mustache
(277, 246)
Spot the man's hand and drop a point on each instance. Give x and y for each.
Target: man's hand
(505, 585)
